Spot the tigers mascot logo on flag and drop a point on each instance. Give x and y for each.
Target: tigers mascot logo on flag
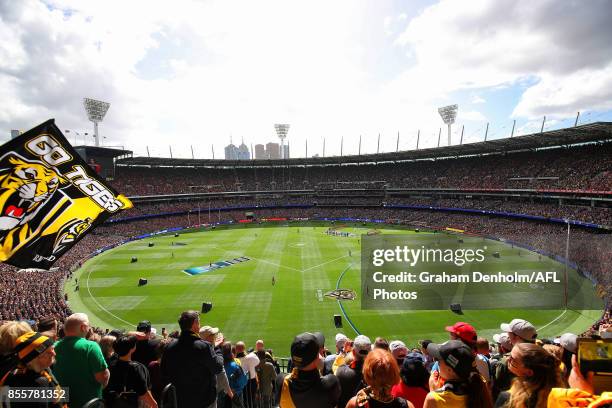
(49, 198)
(23, 189)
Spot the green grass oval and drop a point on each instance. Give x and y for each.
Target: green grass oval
(305, 262)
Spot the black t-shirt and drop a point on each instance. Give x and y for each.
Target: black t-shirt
(29, 378)
(146, 351)
(310, 390)
(128, 376)
(351, 381)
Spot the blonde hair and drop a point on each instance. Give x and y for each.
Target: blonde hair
(546, 376)
(9, 332)
(554, 350)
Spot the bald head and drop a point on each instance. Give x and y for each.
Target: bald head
(76, 325)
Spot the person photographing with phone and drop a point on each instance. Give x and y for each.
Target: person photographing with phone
(590, 379)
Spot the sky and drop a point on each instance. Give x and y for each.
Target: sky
(197, 74)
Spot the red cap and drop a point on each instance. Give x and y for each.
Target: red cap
(464, 331)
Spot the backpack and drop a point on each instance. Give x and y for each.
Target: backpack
(121, 399)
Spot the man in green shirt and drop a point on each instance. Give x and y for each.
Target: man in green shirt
(80, 365)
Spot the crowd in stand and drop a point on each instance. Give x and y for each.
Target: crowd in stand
(577, 168)
(595, 215)
(31, 295)
(198, 367)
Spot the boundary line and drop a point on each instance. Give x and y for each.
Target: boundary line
(348, 319)
(99, 305)
(552, 321)
(355, 329)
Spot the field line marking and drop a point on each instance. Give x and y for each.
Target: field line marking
(348, 319)
(275, 264)
(324, 263)
(98, 303)
(554, 320)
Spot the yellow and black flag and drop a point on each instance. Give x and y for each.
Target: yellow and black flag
(49, 198)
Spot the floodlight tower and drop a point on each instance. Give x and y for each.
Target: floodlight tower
(95, 112)
(448, 114)
(281, 130)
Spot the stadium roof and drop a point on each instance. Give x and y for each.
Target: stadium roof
(590, 133)
(89, 151)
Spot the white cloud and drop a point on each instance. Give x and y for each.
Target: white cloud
(564, 95)
(387, 25)
(486, 43)
(195, 72)
(265, 62)
(473, 116)
(476, 99)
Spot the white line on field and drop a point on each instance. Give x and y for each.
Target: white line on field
(324, 263)
(98, 303)
(552, 321)
(273, 263)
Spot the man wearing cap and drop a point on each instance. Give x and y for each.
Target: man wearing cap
(569, 344)
(80, 364)
(145, 347)
(321, 342)
(504, 346)
(465, 333)
(463, 387)
(212, 336)
(338, 358)
(399, 351)
(304, 387)
(414, 376)
(350, 375)
(36, 354)
(518, 331)
(191, 365)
